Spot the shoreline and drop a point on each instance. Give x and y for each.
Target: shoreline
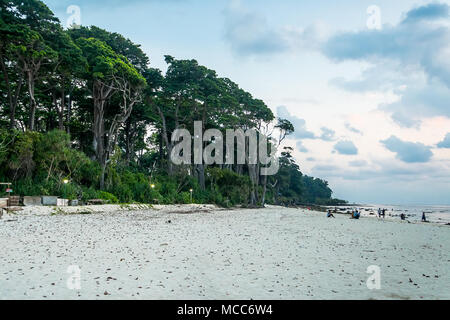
(184, 209)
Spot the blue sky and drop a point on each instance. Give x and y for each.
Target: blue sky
(371, 105)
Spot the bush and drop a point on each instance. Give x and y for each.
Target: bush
(183, 198)
(168, 190)
(230, 187)
(42, 187)
(89, 193)
(110, 198)
(27, 187)
(89, 174)
(21, 154)
(5, 140)
(37, 163)
(123, 192)
(70, 191)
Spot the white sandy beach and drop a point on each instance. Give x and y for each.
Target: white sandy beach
(198, 252)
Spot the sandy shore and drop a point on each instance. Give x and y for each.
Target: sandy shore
(198, 252)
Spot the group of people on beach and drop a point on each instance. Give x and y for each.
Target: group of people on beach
(382, 213)
(356, 214)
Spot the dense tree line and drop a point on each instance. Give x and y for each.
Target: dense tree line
(84, 104)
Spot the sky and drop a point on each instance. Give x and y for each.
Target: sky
(365, 83)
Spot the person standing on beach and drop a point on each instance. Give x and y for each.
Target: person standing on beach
(384, 213)
(424, 218)
(379, 212)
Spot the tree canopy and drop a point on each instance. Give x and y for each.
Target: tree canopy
(84, 104)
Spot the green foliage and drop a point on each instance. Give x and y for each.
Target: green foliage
(233, 188)
(93, 194)
(292, 187)
(89, 194)
(108, 197)
(104, 63)
(5, 140)
(42, 187)
(98, 86)
(21, 154)
(89, 174)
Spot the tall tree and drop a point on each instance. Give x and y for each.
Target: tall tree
(32, 54)
(26, 27)
(13, 77)
(71, 66)
(110, 74)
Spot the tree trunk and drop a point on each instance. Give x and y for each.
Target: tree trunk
(160, 145)
(54, 104)
(105, 142)
(263, 197)
(69, 113)
(12, 99)
(127, 142)
(102, 176)
(33, 105)
(253, 173)
(130, 130)
(201, 176)
(99, 141)
(167, 142)
(99, 130)
(61, 109)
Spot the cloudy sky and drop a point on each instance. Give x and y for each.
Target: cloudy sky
(366, 83)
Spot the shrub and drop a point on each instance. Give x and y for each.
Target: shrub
(110, 198)
(22, 151)
(183, 198)
(230, 187)
(89, 193)
(123, 192)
